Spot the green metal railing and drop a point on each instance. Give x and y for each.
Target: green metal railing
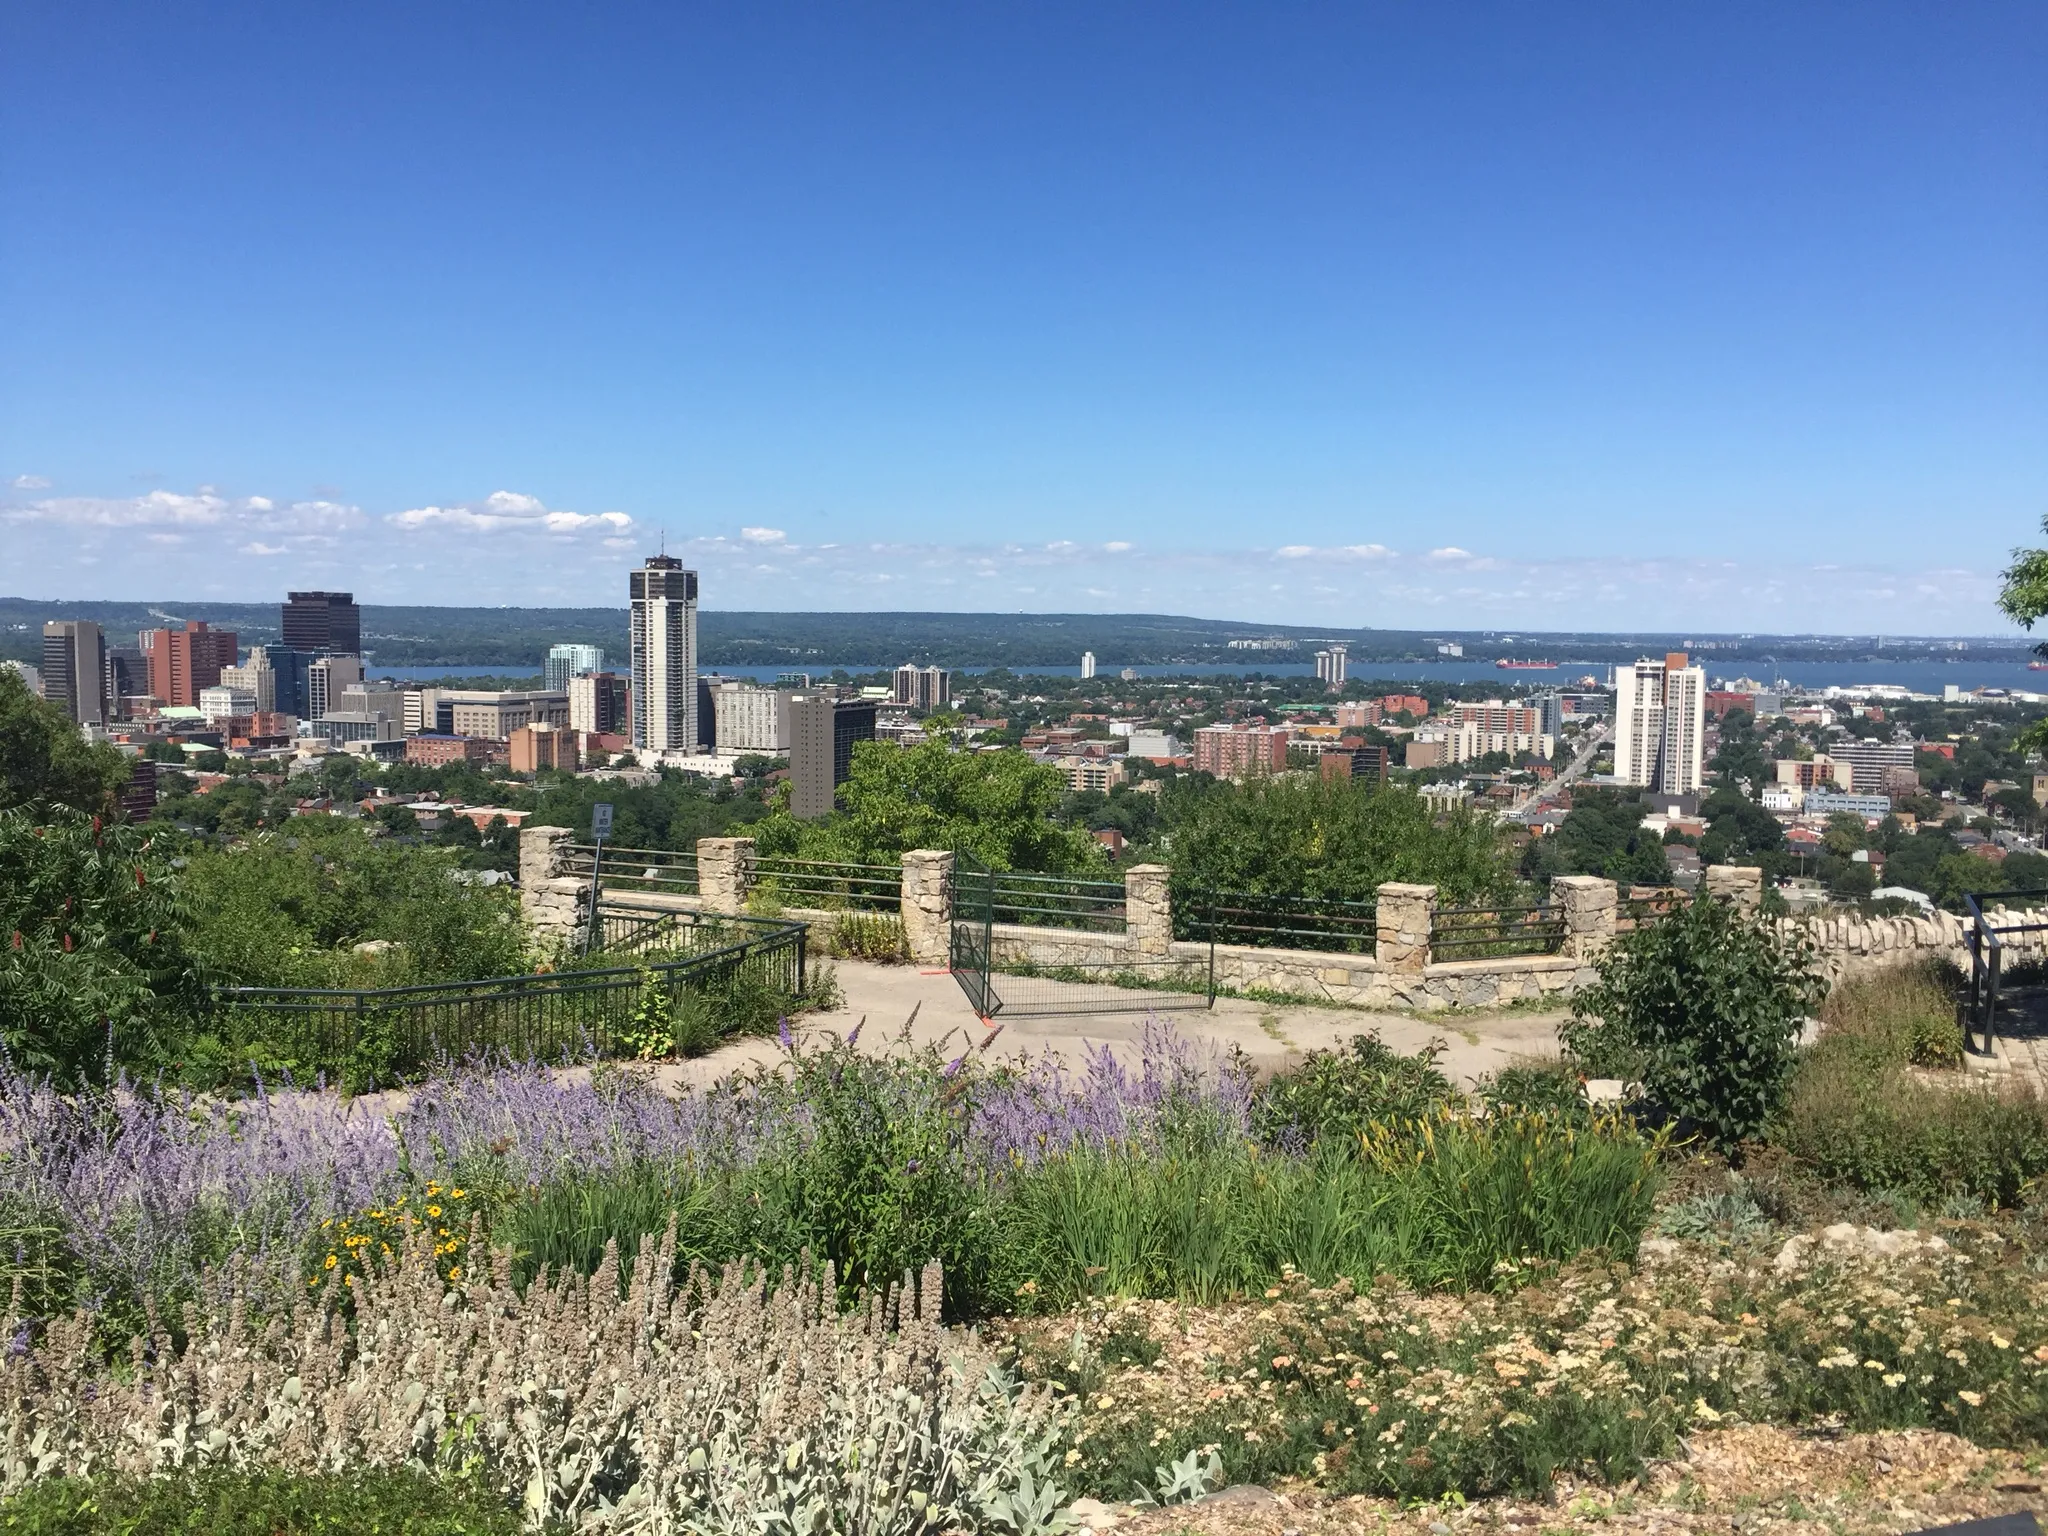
(1478, 933)
(1276, 922)
(828, 883)
(389, 1033)
(635, 869)
(1057, 901)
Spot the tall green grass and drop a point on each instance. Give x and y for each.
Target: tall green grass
(1444, 1201)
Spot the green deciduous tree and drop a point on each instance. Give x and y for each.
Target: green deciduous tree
(1340, 839)
(2024, 600)
(45, 761)
(94, 972)
(997, 806)
(1703, 1008)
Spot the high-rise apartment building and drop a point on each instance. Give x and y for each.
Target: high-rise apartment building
(566, 661)
(664, 629)
(1330, 665)
(1239, 751)
(598, 704)
(1087, 664)
(823, 731)
(1496, 715)
(322, 623)
(750, 719)
(1870, 760)
(183, 661)
(926, 687)
(327, 678)
(1660, 724)
(75, 668)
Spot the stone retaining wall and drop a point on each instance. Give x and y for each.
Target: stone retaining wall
(1400, 972)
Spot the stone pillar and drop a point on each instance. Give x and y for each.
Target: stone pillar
(1588, 905)
(555, 903)
(1407, 918)
(725, 873)
(928, 906)
(1742, 884)
(1148, 909)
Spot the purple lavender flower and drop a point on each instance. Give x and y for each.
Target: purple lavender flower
(782, 1033)
(953, 1067)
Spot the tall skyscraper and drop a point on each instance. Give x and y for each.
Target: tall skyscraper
(664, 628)
(566, 661)
(323, 623)
(1087, 664)
(183, 661)
(1330, 665)
(74, 669)
(1660, 724)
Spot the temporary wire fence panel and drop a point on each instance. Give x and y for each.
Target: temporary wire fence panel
(828, 883)
(1276, 922)
(1485, 933)
(388, 1033)
(635, 869)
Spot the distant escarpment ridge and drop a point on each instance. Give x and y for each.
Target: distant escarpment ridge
(396, 636)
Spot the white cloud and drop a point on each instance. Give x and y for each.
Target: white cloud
(1450, 552)
(31, 483)
(255, 548)
(763, 535)
(1295, 551)
(1367, 551)
(259, 504)
(1117, 546)
(506, 512)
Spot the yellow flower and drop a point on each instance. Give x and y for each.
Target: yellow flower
(454, 1194)
(434, 1211)
(331, 1261)
(455, 1272)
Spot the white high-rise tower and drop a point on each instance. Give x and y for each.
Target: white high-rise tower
(664, 656)
(1087, 664)
(1660, 715)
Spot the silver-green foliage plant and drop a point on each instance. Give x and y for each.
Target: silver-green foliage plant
(721, 1406)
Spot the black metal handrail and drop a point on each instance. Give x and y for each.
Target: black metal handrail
(1986, 939)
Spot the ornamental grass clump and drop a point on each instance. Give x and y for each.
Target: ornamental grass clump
(613, 1403)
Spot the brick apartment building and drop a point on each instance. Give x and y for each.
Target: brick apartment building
(181, 662)
(1238, 751)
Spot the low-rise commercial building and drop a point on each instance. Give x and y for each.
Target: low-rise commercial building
(534, 747)
(496, 715)
(1822, 802)
(432, 749)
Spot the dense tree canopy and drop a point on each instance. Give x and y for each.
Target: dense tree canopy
(1602, 834)
(44, 760)
(1299, 836)
(997, 806)
(95, 974)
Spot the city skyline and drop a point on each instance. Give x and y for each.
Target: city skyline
(1360, 317)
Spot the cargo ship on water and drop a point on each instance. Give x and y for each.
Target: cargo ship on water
(1525, 666)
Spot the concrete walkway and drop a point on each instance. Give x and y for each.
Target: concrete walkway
(1272, 1035)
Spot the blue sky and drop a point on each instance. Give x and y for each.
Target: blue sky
(1725, 316)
